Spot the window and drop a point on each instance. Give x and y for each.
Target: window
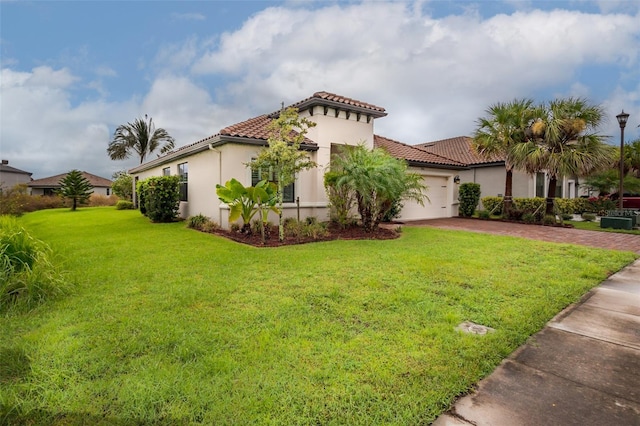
(183, 172)
(540, 185)
(288, 195)
(166, 171)
(108, 189)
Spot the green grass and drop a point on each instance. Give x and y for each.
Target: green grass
(595, 226)
(172, 326)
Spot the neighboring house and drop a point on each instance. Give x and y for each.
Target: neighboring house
(50, 185)
(10, 176)
(339, 120)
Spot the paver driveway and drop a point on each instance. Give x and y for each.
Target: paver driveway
(607, 240)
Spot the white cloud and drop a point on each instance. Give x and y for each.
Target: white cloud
(444, 72)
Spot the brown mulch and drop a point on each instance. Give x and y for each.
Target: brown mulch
(335, 233)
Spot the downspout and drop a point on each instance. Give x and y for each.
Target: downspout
(211, 148)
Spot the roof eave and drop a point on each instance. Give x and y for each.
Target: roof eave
(415, 163)
(312, 102)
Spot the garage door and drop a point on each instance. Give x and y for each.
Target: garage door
(435, 208)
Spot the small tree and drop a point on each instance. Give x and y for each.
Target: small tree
(122, 185)
(283, 158)
(75, 187)
(469, 196)
(140, 137)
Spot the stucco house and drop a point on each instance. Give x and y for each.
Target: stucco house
(10, 176)
(339, 120)
(50, 185)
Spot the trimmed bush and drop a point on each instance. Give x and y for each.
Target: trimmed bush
(124, 205)
(469, 197)
(566, 216)
(549, 220)
(516, 214)
(161, 195)
(197, 221)
(493, 205)
(588, 217)
(529, 218)
(27, 275)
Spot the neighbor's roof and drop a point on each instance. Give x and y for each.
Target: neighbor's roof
(459, 149)
(340, 102)
(413, 155)
(54, 181)
(5, 168)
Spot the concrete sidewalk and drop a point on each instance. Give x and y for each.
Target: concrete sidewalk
(583, 368)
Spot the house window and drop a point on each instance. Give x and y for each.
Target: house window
(183, 172)
(108, 189)
(166, 171)
(540, 185)
(288, 195)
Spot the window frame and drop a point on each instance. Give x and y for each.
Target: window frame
(289, 191)
(183, 172)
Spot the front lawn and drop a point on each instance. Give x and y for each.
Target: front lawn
(172, 326)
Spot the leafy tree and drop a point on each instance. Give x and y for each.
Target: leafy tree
(377, 179)
(140, 137)
(505, 126)
(608, 181)
(75, 187)
(564, 142)
(632, 158)
(283, 157)
(122, 185)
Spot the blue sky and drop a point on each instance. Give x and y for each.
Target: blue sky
(73, 71)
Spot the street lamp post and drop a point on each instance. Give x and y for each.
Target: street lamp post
(622, 120)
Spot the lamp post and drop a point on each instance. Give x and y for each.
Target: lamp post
(622, 120)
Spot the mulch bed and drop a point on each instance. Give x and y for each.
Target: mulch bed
(335, 233)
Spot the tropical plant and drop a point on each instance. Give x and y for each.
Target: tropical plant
(341, 200)
(140, 137)
(377, 179)
(469, 197)
(75, 187)
(283, 159)
(122, 185)
(497, 134)
(564, 142)
(246, 202)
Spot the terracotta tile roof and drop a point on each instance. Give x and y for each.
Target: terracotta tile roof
(413, 154)
(253, 128)
(54, 181)
(458, 149)
(326, 96)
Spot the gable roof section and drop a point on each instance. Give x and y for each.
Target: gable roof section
(6, 168)
(415, 156)
(54, 181)
(338, 102)
(459, 149)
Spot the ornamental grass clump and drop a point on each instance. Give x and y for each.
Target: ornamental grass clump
(27, 275)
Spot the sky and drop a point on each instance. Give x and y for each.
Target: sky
(73, 71)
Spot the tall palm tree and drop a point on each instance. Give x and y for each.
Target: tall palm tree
(505, 126)
(565, 142)
(141, 137)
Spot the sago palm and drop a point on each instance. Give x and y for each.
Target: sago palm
(505, 126)
(140, 137)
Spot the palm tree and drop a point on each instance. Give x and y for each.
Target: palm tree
(564, 142)
(497, 134)
(142, 137)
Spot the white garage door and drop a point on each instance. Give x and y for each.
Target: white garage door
(434, 208)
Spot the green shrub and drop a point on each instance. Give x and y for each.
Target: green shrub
(566, 216)
(484, 214)
(27, 275)
(469, 197)
(599, 205)
(315, 229)
(588, 217)
(549, 220)
(210, 226)
(16, 201)
(161, 196)
(529, 218)
(141, 193)
(515, 214)
(493, 205)
(394, 211)
(196, 222)
(124, 205)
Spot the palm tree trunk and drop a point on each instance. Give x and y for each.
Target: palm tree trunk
(508, 193)
(551, 195)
